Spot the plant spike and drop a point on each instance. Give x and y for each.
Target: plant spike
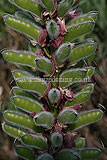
(44, 108)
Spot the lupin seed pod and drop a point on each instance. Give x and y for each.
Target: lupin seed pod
(79, 143)
(92, 16)
(19, 92)
(82, 51)
(37, 142)
(45, 156)
(89, 153)
(31, 6)
(19, 73)
(90, 71)
(48, 4)
(63, 53)
(44, 119)
(67, 154)
(67, 116)
(19, 57)
(44, 65)
(63, 7)
(20, 120)
(71, 76)
(26, 104)
(79, 98)
(25, 152)
(86, 88)
(13, 131)
(35, 85)
(22, 26)
(86, 118)
(77, 30)
(53, 29)
(54, 96)
(57, 139)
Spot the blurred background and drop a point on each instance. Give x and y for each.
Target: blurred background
(96, 134)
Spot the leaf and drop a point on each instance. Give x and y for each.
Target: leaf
(92, 16)
(25, 152)
(71, 76)
(13, 131)
(80, 142)
(22, 26)
(44, 65)
(89, 153)
(52, 29)
(56, 139)
(79, 98)
(31, 6)
(44, 119)
(77, 30)
(67, 116)
(19, 57)
(20, 120)
(67, 154)
(19, 73)
(63, 53)
(45, 156)
(64, 7)
(27, 104)
(86, 118)
(49, 4)
(35, 85)
(82, 51)
(19, 92)
(37, 142)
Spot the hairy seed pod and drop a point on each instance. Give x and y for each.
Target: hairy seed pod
(57, 139)
(54, 96)
(45, 156)
(79, 143)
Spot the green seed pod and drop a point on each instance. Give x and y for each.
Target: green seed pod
(86, 118)
(44, 65)
(32, 48)
(86, 88)
(67, 154)
(35, 85)
(53, 29)
(22, 26)
(77, 30)
(71, 76)
(90, 71)
(31, 6)
(26, 104)
(82, 51)
(79, 98)
(19, 92)
(44, 119)
(18, 57)
(79, 143)
(19, 73)
(64, 7)
(67, 116)
(20, 120)
(92, 16)
(37, 142)
(25, 152)
(45, 156)
(63, 53)
(57, 139)
(89, 153)
(27, 17)
(77, 3)
(49, 5)
(11, 1)
(54, 96)
(13, 131)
